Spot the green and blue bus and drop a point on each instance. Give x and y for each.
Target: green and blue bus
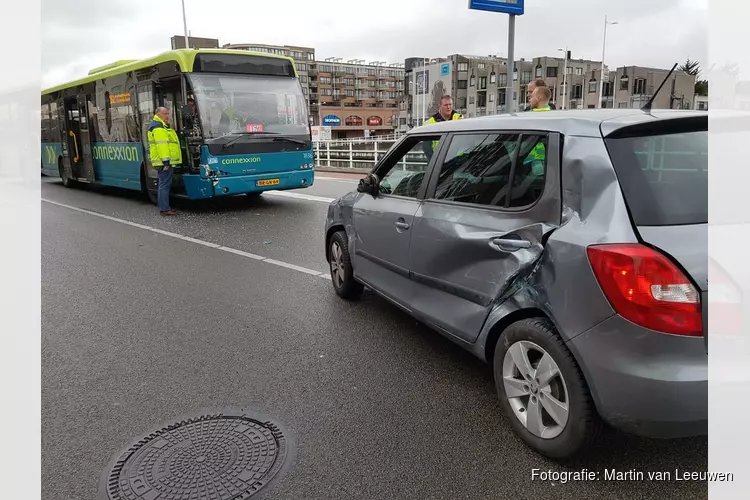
(241, 117)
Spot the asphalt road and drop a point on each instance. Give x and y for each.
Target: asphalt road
(141, 327)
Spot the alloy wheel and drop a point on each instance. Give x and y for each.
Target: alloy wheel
(337, 265)
(536, 389)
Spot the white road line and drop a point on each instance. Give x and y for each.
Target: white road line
(336, 179)
(308, 197)
(208, 244)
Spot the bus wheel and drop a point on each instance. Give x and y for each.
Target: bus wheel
(67, 181)
(152, 197)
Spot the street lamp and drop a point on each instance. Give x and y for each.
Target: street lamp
(565, 77)
(604, 48)
(184, 25)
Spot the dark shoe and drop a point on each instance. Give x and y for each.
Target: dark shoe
(169, 212)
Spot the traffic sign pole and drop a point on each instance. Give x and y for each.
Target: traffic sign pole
(510, 102)
(513, 8)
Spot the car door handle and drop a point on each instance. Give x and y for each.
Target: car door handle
(402, 225)
(509, 244)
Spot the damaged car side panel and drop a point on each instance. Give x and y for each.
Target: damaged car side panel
(593, 211)
(464, 256)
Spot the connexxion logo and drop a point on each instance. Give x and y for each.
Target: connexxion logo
(234, 161)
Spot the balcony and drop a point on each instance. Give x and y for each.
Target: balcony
(312, 72)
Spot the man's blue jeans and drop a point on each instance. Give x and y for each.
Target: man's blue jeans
(164, 186)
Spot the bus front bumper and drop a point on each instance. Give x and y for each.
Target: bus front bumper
(199, 187)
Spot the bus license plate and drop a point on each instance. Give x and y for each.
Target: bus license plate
(267, 182)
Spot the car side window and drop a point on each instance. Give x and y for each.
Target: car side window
(403, 173)
(477, 169)
(529, 175)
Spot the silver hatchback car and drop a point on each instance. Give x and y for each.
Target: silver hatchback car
(567, 249)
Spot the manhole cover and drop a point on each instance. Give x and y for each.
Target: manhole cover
(213, 457)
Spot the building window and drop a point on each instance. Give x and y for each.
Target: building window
(579, 71)
(552, 72)
(539, 71)
(503, 80)
(483, 83)
(525, 77)
(472, 81)
(592, 86)
(303, 79)
(471, 99)
(493, 77)
(463, 66)
(492, 97)
(577, 92)
(480, 65)
(624, 82)
(301, 67)
(639, 86)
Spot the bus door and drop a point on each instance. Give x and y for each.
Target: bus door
(78, 139)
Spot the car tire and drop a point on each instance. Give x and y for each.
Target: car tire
(342, 273)
(567, 393)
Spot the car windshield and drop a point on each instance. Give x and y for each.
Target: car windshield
(664, 177)
(230, 104)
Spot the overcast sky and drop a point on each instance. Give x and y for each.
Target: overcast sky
(649, 33)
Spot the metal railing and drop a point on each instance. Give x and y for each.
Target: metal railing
(362, 154)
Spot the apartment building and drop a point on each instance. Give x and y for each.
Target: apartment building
(353, 97)
(635, 85)
(479, 84)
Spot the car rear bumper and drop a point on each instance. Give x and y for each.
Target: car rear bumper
(644, 382)
(198, 187)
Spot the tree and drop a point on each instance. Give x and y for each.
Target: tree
(701, 87)
(693, 68)
(690, 67)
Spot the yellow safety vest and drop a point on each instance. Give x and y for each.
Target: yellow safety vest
(163, 143)
(432, 119)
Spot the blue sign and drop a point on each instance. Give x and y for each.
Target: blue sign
(331, 121)
(502, 6)
(445, 69)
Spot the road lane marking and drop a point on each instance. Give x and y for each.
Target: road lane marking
(208, 244)
(336, 179)
(308, 197)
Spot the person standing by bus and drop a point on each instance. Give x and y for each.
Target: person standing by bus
(165, 153)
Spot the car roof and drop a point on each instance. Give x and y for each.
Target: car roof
(584, 122)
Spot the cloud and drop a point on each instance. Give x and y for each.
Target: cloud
(649, 33)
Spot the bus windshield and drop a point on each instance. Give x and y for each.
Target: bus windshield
(232, 104)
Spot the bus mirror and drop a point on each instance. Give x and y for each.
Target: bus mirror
(187, 116)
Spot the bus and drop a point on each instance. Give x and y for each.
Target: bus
(241, 117)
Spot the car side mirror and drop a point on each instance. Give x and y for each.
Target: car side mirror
(187, 117)
(369, 185)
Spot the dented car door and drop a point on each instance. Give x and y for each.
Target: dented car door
(483, 224)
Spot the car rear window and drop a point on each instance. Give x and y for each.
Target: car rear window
(663, 175)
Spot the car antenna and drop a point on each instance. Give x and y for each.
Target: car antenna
(647, 107)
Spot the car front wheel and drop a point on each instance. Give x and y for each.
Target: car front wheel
(543, 391)
(342, 274)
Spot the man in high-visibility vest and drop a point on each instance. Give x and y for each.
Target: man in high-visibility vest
(530, 92)
(445, 113)
(539, 102)
(165, 153)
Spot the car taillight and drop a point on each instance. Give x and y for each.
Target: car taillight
(645, 287)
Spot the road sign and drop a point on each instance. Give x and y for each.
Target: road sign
(514, 7)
